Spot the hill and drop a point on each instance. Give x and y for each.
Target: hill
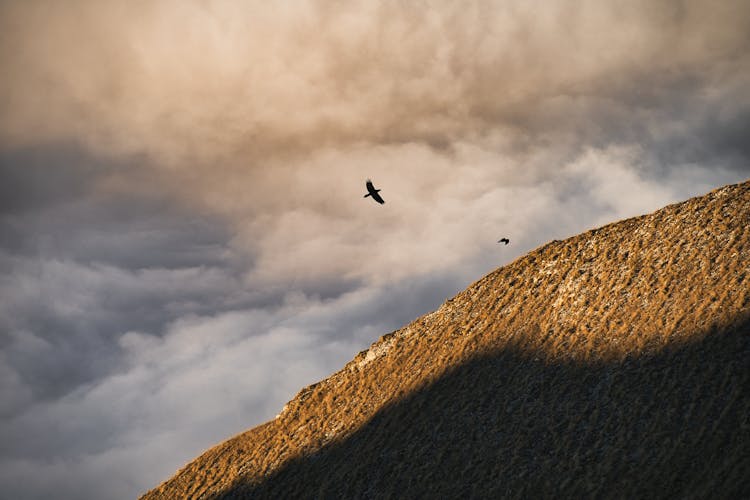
(615, 363)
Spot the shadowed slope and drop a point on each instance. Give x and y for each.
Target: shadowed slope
(507, 425)
(614, 362)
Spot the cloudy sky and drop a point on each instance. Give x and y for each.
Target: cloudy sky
(183, 238)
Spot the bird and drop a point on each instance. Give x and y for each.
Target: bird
(503, 240)
(371, 191)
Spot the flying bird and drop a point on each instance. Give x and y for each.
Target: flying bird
(371, 191)
(503, 240)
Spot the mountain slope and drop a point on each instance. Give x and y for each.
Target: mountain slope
(614, 363)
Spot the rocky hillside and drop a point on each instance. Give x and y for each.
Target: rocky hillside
(612, 364)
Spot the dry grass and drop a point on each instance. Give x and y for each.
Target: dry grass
(614, 363)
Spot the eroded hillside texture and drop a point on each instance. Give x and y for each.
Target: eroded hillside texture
(612, 364)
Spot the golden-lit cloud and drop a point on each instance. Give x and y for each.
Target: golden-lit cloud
(192, 82)
(266, 113)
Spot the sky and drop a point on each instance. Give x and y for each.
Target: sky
(184, 242)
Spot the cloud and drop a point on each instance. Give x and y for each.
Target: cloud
(189, 81)
(183, 238)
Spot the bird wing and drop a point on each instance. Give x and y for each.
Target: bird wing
(370, 187)
(376, 197)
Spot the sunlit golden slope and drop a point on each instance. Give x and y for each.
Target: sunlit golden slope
(614, 363)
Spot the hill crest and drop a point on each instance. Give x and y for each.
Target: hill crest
(612, 319)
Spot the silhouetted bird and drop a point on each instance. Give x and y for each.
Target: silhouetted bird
(504, 240)
(371, 191)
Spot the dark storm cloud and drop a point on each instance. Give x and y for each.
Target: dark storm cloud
(82, 267)
(37, 178)
(722, 140)
(52, 206)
